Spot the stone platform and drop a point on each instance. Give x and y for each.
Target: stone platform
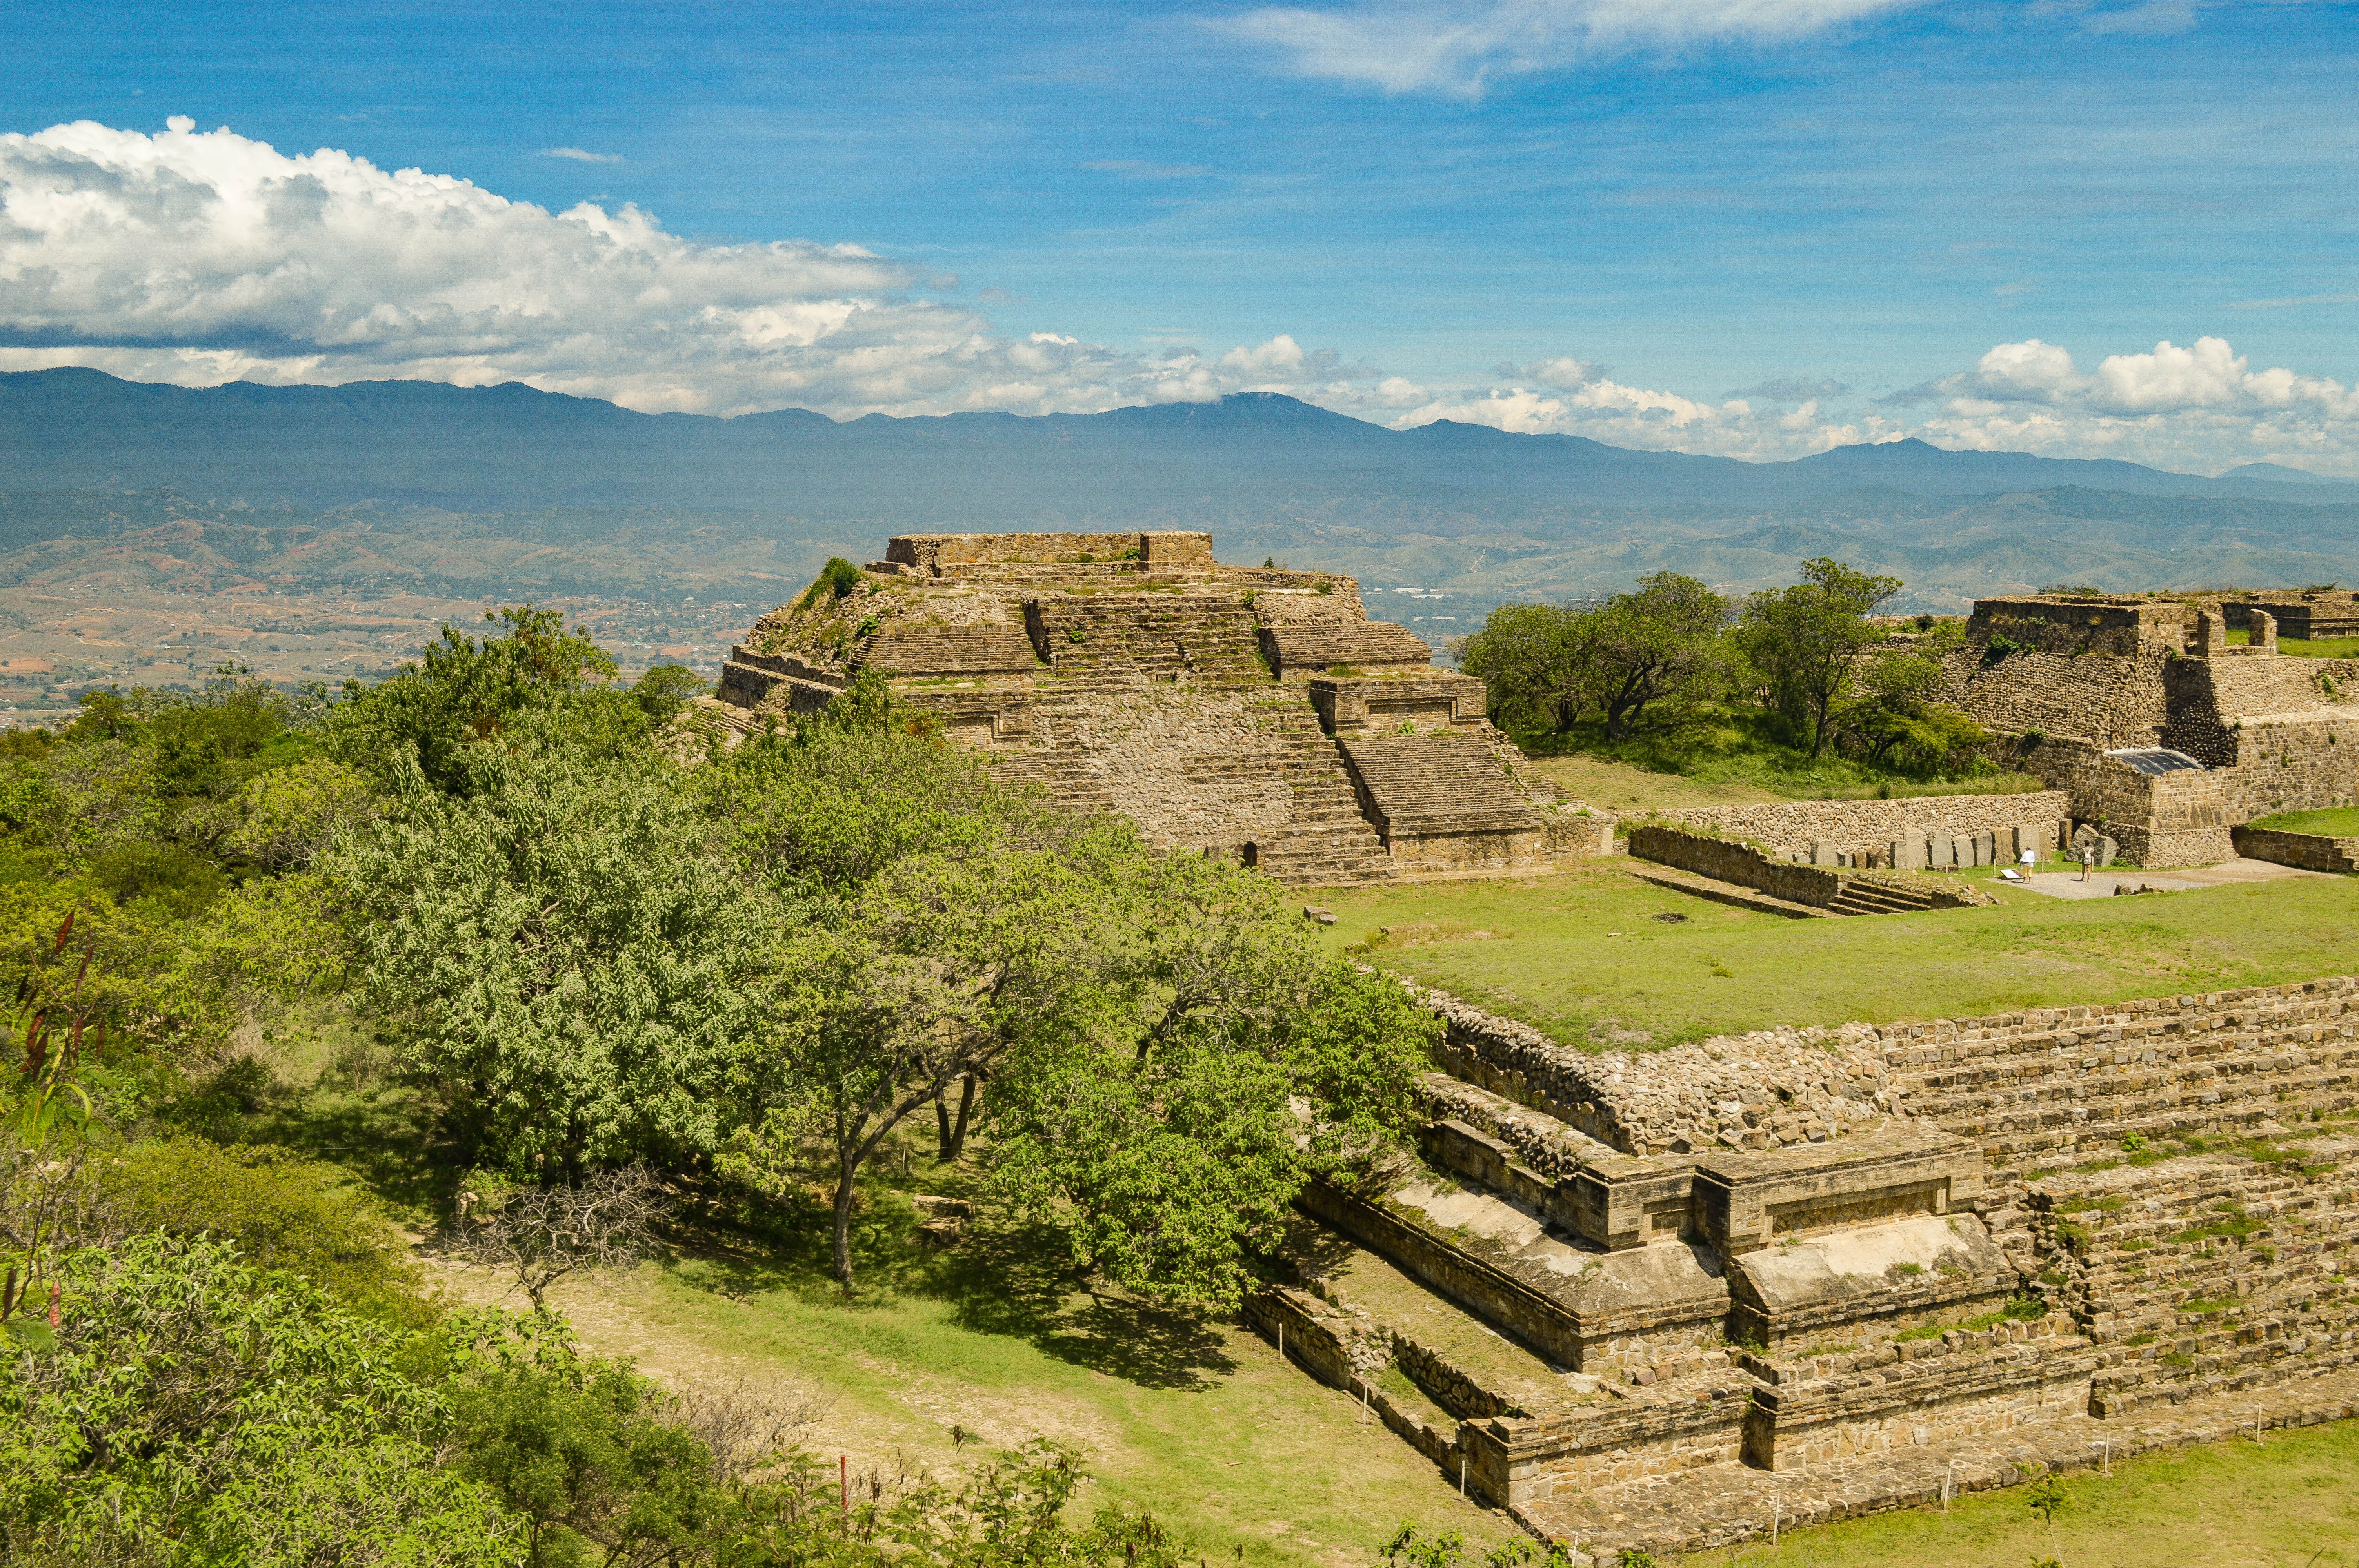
(1252, 713)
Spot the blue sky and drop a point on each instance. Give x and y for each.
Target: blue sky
(1640, 197)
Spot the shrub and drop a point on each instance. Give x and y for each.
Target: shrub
(200, 1410)
(836, 580)
(1999, 647)
(282, 1211)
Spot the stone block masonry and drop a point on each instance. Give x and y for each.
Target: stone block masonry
(1832, 1256)
(1787, 828)
(2310, 852)
(2069, 679)
(1211, 705)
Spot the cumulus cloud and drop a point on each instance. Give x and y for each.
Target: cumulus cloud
(1564, 372)
(1461, 47)
(200, 258)
(2200, 407)
(1605, 410)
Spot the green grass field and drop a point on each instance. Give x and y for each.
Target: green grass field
(2305, 647)
(2337, 822)
(946, 1356)
(1581, 955)
(2290, 1502)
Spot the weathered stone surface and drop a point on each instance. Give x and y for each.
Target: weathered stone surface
(1134, 673)
(1846, 1324)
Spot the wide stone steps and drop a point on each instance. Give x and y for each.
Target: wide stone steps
(2026, 1117)
(1879, 898)
(1207, 636)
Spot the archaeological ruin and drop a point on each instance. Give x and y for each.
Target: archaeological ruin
(1680, 1300)
(1670, 1300)
(1254, 713)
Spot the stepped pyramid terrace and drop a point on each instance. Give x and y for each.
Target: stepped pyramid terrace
(1672, 1301)
(1249, 712)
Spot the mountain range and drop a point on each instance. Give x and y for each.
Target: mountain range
(506, 489)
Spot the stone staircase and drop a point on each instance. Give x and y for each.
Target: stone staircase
(2207, 1273)
(1414, 783)
(2034, 1089)
(1859, 897)
(1644, 1350)
(1167, 648)
(1205, 635)
(1326, 840)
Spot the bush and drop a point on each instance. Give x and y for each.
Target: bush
(836, 580)
(282, 1211)
(199, 1411)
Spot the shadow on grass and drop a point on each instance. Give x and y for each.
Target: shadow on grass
(386, 1134)
(1004, 1277)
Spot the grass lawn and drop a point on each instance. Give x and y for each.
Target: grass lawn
(2292, 1500)
(1580, 956)
(2337, 822)
(2305, 647)
(1192, 1418)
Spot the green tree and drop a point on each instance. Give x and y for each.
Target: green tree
(466, 690)
(1226, 1064)
(1661, 645)
(584, 1452)
(570, 965)
(1807, 641)
(197, 1410)
(1534, 661)
(287, 816)
(937, 969)
(666, 690)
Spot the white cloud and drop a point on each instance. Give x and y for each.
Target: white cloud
(2195, 409)
(580, 154)
(2192, 408)
(203, 258)
(1461, 47)
(1605, 410)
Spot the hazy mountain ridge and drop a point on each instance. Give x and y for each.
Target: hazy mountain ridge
(506, 493)
(501, 447)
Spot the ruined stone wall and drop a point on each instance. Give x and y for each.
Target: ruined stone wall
(2056, 1079)
(2019, 1084)
(1787, 826)
(2310, 852)
(2297, 613)
(2304, 762)
(2179, 818)
(1729, 862)
(1934, 1395)
(2081, 626)
(2112, 700)
(2207, 1271)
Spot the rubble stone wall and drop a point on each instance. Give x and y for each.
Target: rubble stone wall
(1785, 826)
(2111, 699)
(2310, 852)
